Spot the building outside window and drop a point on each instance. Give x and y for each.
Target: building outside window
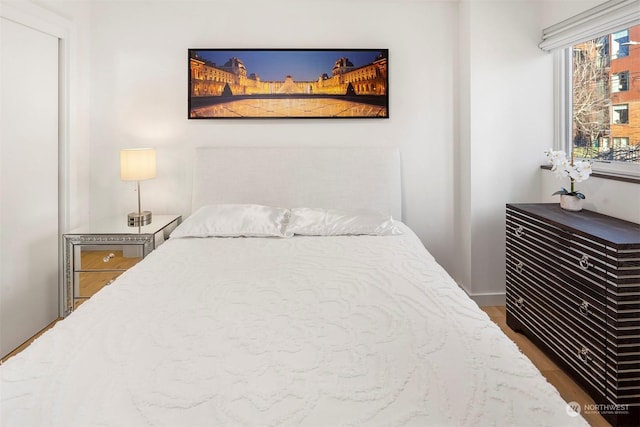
(605, 104)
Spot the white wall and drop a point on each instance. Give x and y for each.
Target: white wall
(510, 115)
(138, 93)
(505, 123)
(471, 105)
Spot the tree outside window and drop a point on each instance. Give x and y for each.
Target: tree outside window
(606, 97)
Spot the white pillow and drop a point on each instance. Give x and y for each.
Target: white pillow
(234, 221)
(332, 222)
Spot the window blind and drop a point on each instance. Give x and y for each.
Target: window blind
(606, 18)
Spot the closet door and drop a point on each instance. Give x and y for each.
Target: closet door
(28, 182)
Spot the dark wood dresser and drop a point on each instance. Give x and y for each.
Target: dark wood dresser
(573, 287)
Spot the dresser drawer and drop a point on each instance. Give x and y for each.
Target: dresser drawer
(569, 311)
(532, 265)
(580, 354)
(571, 248)
(560, 254)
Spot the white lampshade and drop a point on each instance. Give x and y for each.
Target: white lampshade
(137, 164)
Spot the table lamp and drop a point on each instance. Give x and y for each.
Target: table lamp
(137, 164)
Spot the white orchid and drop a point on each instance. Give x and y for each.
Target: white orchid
(577, 172)
(581, 171)
(556, 157)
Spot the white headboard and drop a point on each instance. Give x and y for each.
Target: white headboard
(338, 178)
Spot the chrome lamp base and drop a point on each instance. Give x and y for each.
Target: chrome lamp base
(139, 219)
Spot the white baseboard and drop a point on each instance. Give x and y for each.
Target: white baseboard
(486, 299)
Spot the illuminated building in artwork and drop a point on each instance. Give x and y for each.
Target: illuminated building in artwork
(343, 65)
(209, 79)
(235, 66)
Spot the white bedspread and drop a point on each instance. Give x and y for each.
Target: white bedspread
(313, 331)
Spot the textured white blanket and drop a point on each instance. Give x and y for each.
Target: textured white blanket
(312, 331)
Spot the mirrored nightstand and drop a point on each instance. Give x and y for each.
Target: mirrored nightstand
(97, 253)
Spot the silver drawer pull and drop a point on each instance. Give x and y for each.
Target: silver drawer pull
(584, 262)
(108, 257)
(519, 231)
(584, 308)
(583, 354)
(520, 302)
(520, 267)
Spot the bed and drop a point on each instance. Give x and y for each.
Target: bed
(326, 312)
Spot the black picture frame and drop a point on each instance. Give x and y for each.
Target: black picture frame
(288, 83)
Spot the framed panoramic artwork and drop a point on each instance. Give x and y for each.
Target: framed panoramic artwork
(288, 83)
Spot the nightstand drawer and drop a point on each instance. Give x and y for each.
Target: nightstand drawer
(90, 282)
(96, 254)
(90, 258)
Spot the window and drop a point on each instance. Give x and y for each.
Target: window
(599, 81)
(620, 114)
(620, 44)
(620, 142)
(620, 82)
(598, 85)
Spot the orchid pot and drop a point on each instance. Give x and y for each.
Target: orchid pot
(570, 203)
(579, 171)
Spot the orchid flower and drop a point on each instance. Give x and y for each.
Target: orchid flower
(577, 172)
